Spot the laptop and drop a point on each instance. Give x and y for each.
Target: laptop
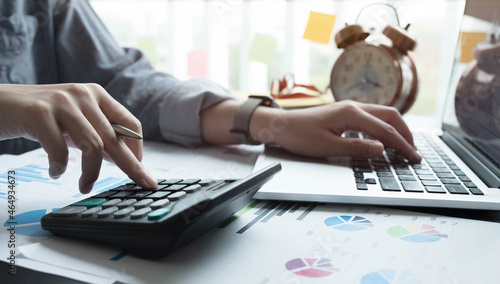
(461, 161)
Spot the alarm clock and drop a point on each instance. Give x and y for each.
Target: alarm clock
(375, 71)
(477, 98)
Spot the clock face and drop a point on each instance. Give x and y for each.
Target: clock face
(365, 73)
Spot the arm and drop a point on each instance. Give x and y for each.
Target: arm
(317, 131)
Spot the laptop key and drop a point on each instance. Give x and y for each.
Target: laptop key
(476, 191)
(431, 183)
(389, 184)
(456, 189)
(435, 189)
(406, 177)
(412, 186)
(450, 181)
(470, 184)
(361, 186)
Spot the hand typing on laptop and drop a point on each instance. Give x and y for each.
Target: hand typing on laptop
(316, 132)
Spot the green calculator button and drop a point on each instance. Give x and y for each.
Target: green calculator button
(157, 214)
(90, 202)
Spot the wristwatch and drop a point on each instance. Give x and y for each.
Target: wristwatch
(242, 117)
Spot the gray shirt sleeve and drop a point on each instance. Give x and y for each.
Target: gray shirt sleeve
(167, 107)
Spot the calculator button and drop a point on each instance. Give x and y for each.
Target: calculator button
(157, 214)
(111, 203)
(192, 188)
(159, 195)
(139, 194)
(69, 211)
(89, 212)
(160, 187)
(123, 187)
(159, 204)
(126, 203)
(123, 212)
(135, 187)
(143, 203)
(90, 202)
(104, 194)
(140, 213)
(171, 181)
(177, 195)
(190, 181)
(107, 212)
(206, 181)
(176, 187)
(121, 194)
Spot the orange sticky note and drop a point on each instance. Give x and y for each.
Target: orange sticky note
(319, 27)
(197, 63)
(468, 41)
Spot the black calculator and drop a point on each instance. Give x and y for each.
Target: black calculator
(152, 222)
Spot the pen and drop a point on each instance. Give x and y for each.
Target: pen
(125, 132)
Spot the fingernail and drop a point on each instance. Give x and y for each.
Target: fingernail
(149, 179)
(415, 156)
(88, 188)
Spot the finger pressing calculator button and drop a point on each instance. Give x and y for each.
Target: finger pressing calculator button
(90, 202)
(126, 203)
(143, 203)
(69, 211)
(140, 213)
(107, 212)
(177, 195)
(159, 204)
(157, 214)
(123, 212)
(89, 212)
(111, 203)
(192, 188)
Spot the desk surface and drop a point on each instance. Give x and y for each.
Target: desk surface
(271, 241)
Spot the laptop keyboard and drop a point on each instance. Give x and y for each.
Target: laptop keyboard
(436, 174)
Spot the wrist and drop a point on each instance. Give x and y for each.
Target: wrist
(267, 124)
(244, 115)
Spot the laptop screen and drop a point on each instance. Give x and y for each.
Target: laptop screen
(472, 110)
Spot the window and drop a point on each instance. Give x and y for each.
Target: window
(243, 44)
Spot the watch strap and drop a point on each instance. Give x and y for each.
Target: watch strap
(240, 131)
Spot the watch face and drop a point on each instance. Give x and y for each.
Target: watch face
(365, 73)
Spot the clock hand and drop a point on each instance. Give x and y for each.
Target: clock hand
(376, 84)
(348, 89)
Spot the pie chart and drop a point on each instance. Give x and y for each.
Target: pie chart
(311, 267)
(348, 223)
(389, 276)
(28, 223)
(416, 234)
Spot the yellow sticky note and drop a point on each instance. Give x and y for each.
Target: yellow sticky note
(468, 41)
(319, 27)
(263, 48)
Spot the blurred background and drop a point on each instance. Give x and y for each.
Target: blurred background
(244, 44)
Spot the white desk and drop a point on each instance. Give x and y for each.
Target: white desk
(267, 243)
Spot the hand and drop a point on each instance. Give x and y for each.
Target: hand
(316, 132)
(73, 114)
